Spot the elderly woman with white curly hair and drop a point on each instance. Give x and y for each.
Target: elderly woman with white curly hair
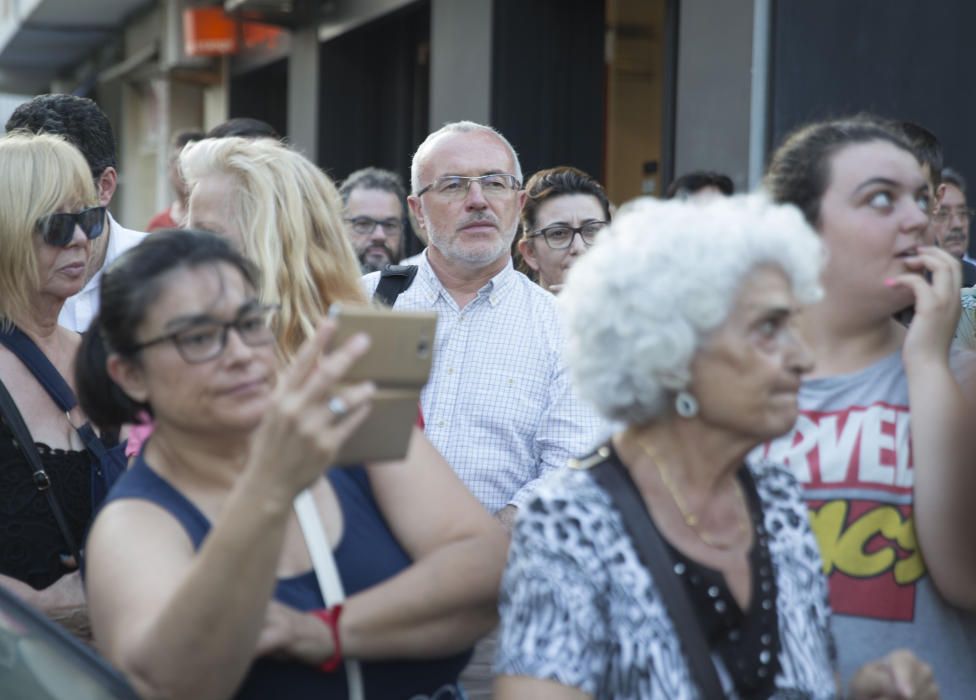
(661, 566)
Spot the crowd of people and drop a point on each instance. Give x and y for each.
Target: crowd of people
(713, 445)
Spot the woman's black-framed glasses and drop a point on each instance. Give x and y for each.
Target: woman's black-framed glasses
(559, 236)
(205, 339)
(58, 229)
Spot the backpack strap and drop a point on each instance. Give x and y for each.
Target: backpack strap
(394, 281)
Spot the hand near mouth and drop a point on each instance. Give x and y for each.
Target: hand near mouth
(937, 305)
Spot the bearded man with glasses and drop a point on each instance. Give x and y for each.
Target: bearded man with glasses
(951, 222)
(499, 405)
(375, 216)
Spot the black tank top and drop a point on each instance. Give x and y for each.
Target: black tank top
(31, 544)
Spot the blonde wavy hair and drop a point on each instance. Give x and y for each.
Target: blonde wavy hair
(39, 174)
(289, 214)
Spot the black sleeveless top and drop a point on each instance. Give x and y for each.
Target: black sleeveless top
(31, 544)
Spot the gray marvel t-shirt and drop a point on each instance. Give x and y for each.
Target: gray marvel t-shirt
(851, 451)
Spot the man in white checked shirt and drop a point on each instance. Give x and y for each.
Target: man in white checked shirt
(499, 405)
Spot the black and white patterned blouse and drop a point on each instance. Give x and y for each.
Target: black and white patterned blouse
(579, 608)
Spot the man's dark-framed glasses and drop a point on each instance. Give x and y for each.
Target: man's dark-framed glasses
(58, 229)
(457, 186)
(946, 213)
(365, 225)
(204, 339)
(559, 236)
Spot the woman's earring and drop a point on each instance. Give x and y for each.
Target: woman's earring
(686, 405)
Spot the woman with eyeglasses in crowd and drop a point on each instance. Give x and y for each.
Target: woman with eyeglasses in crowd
(419, 559)
(50, 216)
(199, 577)
(564, 211)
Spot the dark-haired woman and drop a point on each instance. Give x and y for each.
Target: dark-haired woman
(881, 443)
(223, 601)
(49, 220)
(564, 211)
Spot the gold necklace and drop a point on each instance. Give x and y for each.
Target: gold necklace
(690, 518)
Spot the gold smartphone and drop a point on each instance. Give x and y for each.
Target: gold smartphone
(398, 363)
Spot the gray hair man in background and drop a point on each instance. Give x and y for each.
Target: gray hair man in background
(375, 216)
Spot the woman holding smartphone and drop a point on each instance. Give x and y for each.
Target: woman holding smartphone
(224, 603)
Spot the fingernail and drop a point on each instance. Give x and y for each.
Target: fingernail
(889, 282)
(360, 341)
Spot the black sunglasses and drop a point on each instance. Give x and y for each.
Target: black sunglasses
(58, 229)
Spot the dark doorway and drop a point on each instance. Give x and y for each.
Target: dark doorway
(374, 93)
(547, 78)
(374, 97)
(262, 94)
(908, 60)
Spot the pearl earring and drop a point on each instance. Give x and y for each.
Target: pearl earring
(685, 405)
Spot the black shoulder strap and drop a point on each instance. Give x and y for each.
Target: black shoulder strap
(23, 440)
(611, 474)
(394, 281)
(47, 375)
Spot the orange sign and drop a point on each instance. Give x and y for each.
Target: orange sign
(258, 34)
(209, 31)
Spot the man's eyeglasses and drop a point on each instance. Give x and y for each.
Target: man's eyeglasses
(946, 213)
(365, 225)
(58, 229)
(457, 186)
(559, 236)
(205, 340)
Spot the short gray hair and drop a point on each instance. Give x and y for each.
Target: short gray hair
(462, 127)
(373, 179)
(663, 276)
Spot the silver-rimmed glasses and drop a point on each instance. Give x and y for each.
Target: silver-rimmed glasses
(945, 213)
(457, 186)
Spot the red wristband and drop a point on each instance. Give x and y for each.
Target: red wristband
(330, 617)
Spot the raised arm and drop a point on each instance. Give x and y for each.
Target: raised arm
(942, 433)
(184, 624)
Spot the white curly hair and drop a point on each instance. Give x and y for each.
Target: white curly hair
(639, 304)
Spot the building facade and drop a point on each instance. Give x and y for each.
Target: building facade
(633, 91)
